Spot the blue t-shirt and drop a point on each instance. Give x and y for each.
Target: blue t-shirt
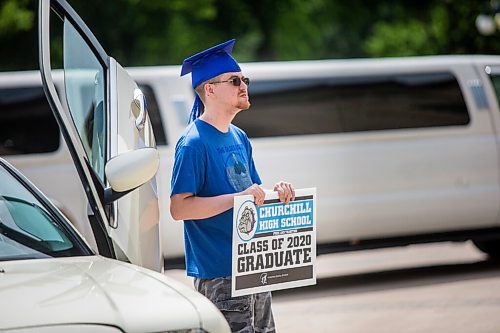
(208, 163)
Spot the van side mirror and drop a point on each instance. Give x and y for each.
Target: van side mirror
(130, 170)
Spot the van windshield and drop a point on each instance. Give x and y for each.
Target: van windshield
(27, 229)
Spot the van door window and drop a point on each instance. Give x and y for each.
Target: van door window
(27, 125)
(85, 93)
(337, 105)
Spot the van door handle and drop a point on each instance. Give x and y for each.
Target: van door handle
(139, 109)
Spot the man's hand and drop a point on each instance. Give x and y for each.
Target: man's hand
(257, 192)
(286, 192)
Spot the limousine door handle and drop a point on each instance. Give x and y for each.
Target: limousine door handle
(139, 109)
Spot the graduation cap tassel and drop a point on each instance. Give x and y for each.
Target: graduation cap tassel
(195, 111)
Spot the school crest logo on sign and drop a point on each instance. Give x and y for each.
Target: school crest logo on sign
(247, 221)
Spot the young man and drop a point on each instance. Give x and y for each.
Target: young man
(213, 163)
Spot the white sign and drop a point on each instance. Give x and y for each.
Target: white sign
(274, 245)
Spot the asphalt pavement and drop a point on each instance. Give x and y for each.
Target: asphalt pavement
(444, 287)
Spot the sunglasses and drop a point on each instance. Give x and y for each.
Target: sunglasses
(235, 81)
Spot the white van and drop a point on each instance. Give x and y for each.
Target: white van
(401, 150)
(47, 268)
(52, 282)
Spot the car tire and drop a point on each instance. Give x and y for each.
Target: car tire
(490, 247)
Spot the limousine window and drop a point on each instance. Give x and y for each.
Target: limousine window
(154, 114)
(338, 105)
(27, 125)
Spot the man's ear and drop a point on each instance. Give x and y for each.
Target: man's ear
(209, 89)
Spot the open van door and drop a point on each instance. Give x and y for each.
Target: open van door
(105, 124)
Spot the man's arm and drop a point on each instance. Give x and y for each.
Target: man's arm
(186, 206)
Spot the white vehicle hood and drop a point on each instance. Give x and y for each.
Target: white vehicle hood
(96, 290)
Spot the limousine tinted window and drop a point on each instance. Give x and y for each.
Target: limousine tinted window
(27, 125)
(336, 105)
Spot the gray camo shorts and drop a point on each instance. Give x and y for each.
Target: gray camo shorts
(245, 314)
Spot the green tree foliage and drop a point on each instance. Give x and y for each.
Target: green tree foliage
(15, 17)
(17, 24)
(156, 32)
(443, 27)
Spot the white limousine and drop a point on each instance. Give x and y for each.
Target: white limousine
(401, 150)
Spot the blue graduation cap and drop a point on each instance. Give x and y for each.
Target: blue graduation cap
(206, 65)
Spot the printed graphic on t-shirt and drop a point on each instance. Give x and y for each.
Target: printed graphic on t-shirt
(237, 172)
